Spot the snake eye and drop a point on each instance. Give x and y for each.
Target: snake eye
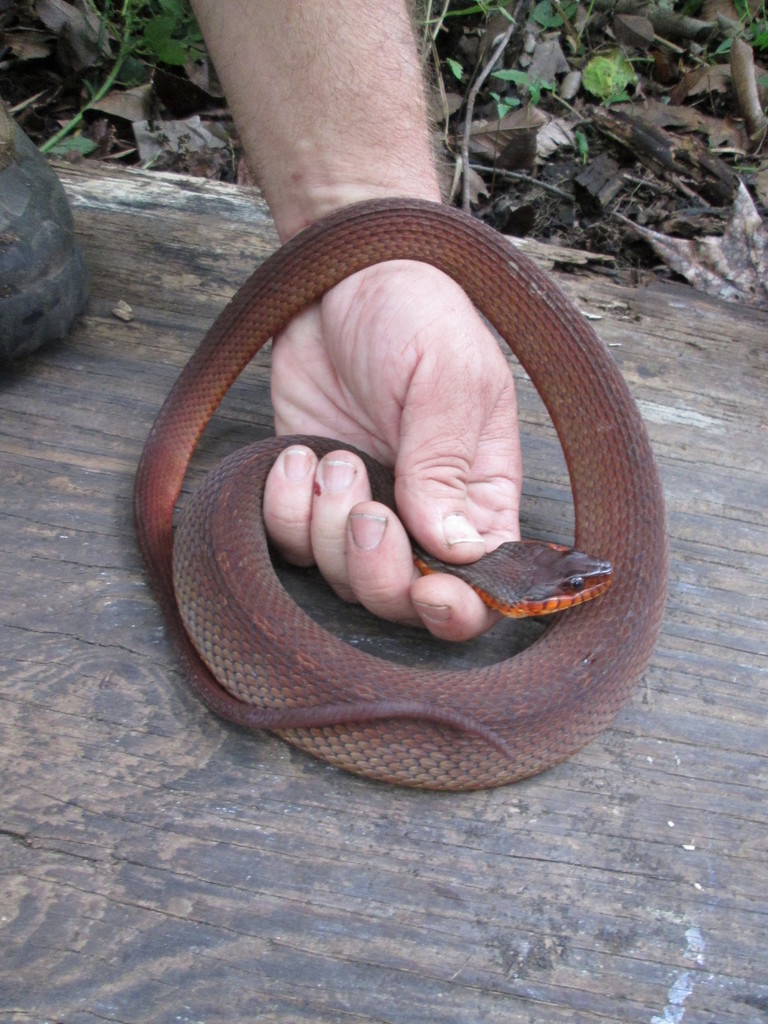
(576, 582)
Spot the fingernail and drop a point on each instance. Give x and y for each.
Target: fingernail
(336, 474)
(367, 530)
(458, 530)
(297, 462)
(433, 612)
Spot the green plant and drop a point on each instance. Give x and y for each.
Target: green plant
(146, 33)
(755, 24)
(171, 35)
(752, 26)
(608, 76)
(534, 86)
(503, 106)
(582, 145)
(553, 15)
(484, 7)
(456, 69)
(60, 143)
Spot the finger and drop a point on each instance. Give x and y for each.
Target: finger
(380, 562)
(288, 503)
(449, 608)
(341, 482)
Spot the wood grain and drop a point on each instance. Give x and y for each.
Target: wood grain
(157, 864)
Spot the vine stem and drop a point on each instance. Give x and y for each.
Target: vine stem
(101, 92)
(472, 95)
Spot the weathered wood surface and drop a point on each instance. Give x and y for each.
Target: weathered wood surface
(159, 865)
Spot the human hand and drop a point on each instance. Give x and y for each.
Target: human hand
(396, 361)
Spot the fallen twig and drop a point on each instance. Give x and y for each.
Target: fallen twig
(471, 97)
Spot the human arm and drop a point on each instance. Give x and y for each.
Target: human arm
(330, 106)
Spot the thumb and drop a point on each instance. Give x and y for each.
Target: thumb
(458, 467)
(431, 491)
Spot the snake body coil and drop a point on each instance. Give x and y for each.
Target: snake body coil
(281, 671)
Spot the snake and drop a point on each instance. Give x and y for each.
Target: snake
(256, 659)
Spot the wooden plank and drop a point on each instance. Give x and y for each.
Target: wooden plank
(157, 864)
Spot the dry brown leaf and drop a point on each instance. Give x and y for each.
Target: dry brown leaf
(129, 104)
(79, 32)
(477, 187)
(633, 30)
(570, 85)
(190, 136)
(510, 144)
(719, 130)
(27, 44)
(716, 78)
(733, 267)
(557, 133)
(724, 8)
(203, 74)
(179, 96)
(548, 61)
(453, 102)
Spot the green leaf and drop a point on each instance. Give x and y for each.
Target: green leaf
(582, 145)
(511, 75)
(134, 72)
(177, 8)
(158, 38)
(535, 86)
(74, 144)
(547, 16)
(503, 107)
(456, 69)
(608, 77)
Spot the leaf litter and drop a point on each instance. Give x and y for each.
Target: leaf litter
(636, 134)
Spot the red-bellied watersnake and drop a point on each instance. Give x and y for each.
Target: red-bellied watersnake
(277, 668)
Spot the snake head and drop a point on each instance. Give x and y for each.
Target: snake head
(563, 577)
(529, 577)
